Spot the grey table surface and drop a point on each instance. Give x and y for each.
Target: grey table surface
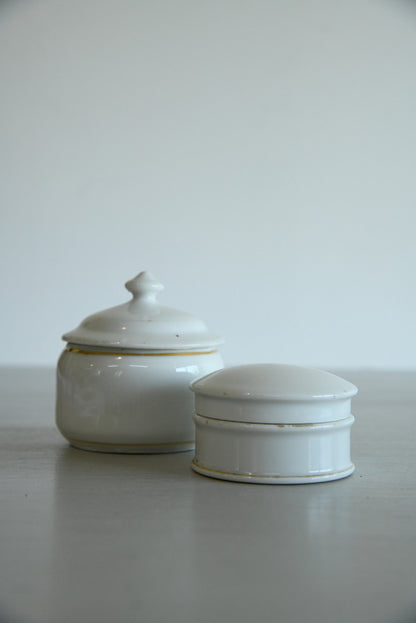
(99, 537)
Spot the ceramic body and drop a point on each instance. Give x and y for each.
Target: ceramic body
(273, 453)
(274, 424)
(129, 402)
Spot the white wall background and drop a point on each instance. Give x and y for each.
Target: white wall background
(258, 156)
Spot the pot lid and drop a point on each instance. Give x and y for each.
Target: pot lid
(142, 323)
(273, 393)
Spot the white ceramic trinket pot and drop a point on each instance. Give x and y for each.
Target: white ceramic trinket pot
(123, 378)
(273, 423)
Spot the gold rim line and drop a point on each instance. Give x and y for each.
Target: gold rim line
(198, 466)
(130, 445)
(126, 354)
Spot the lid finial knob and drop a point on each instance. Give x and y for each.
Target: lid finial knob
(144, 287)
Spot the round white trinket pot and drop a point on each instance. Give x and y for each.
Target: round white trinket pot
(273, 423)
(123, 378)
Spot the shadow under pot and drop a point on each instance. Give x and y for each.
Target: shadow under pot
(123, 378)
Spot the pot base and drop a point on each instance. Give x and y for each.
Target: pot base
(272, 480)
(132, 448)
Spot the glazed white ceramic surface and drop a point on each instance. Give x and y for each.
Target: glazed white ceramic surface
(129, 403)
(273, 393)
(143, 323)
(123, 385)
(271, 423)
(273, 453)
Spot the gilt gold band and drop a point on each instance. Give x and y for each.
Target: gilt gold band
(129, 445)
(127, 354)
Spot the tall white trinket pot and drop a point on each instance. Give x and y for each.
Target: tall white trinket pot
(123, 378)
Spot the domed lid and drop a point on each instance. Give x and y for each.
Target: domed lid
(273, 393)
(143, 324)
